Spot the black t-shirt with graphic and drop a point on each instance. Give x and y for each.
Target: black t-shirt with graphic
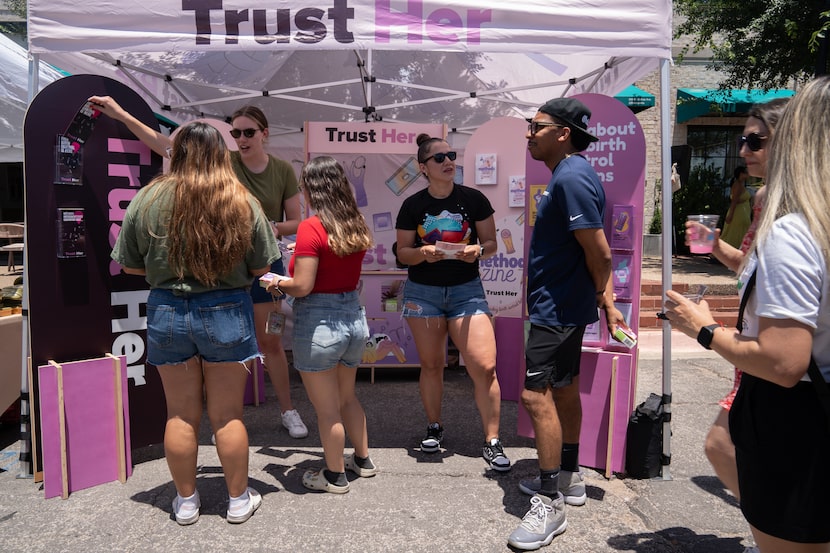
(450, 219)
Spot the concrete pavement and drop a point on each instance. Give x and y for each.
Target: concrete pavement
(440, 502)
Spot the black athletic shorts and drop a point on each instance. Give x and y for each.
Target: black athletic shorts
(782, 445)
(552, 356)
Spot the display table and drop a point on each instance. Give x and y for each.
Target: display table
(11, 340)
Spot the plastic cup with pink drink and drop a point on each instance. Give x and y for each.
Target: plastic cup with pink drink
(702, 232)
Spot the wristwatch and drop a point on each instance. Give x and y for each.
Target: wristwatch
(704, 337)
(480, 251)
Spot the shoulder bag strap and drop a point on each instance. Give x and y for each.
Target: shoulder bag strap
(750, 284)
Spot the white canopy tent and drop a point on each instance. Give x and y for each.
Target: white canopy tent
(459, 62)
(14, 96)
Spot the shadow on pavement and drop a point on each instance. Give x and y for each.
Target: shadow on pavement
(714, 486)
(679, 539)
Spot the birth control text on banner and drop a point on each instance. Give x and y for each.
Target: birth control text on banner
(81, 306)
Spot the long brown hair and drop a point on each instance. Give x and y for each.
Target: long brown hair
(210, 224)
(330, 196)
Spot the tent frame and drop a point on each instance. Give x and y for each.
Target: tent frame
(590, 81)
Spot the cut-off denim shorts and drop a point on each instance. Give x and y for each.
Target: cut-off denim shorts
(216, 325)
(328, 329)
(423, 301)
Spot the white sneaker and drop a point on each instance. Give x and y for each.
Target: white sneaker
(292, 421)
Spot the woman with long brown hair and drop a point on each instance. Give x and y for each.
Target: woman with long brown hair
(199, 237)
(271, 180)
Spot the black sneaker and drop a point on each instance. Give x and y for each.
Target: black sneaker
(493, 453)
(432, 443)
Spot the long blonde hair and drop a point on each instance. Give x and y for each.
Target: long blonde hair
(210, 224)
(330, 196)
(798, 176)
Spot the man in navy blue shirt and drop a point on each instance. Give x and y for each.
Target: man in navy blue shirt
(568, 280)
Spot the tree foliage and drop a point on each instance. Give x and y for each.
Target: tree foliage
(17, 7)
(756, 43)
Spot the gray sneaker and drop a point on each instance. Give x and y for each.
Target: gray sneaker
(571, 485)
(545, 520)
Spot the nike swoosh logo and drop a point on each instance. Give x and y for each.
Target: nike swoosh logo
(575, 217)
(528, 375)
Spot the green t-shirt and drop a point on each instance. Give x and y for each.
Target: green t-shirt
(272, 187)
(139, 247)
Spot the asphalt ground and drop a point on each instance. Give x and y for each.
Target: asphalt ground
(446, 501)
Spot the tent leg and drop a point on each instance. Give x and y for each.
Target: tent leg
(665, 146)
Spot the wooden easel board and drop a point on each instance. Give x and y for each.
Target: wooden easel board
(96, 445)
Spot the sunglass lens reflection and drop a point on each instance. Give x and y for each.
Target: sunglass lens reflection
(753, 141)
(439, 158)
(249, 133)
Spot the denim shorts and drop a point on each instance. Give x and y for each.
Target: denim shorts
(260, 294)
(216, 325)
(328, 329)
(422, 301)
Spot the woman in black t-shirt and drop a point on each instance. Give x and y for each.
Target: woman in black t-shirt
(442, 232)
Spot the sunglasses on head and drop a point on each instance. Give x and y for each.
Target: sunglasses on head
(441, 156)
(534, 126)
(753, 141)
(249, 133)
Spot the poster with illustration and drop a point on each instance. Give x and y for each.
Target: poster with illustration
(621, 265)
(516, 191)
(486, 169)
(622, 229)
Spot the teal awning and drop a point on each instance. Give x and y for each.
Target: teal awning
(635, 98)
(698, 102)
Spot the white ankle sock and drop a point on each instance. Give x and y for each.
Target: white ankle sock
(238, 503)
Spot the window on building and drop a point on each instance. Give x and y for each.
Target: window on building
(715, 148)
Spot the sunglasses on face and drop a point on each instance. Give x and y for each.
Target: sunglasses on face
(753, 141)
(249, 133)
(441, 156)
(534, 126)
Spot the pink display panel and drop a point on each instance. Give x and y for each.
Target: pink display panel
(82, 396)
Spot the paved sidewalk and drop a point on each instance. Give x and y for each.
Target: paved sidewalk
(419, 502)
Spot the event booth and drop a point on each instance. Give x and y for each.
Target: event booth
(468, 70)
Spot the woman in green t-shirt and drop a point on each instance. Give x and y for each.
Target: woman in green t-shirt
(198, 237)
(272, 181)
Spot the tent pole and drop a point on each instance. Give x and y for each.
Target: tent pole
(26, 438)
(668, 231)
(370, 70)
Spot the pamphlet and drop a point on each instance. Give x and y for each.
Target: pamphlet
(449, 248)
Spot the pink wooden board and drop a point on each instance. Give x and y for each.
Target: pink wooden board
(510, 356)
(249, 385)
(595, 393)
(91, 439)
